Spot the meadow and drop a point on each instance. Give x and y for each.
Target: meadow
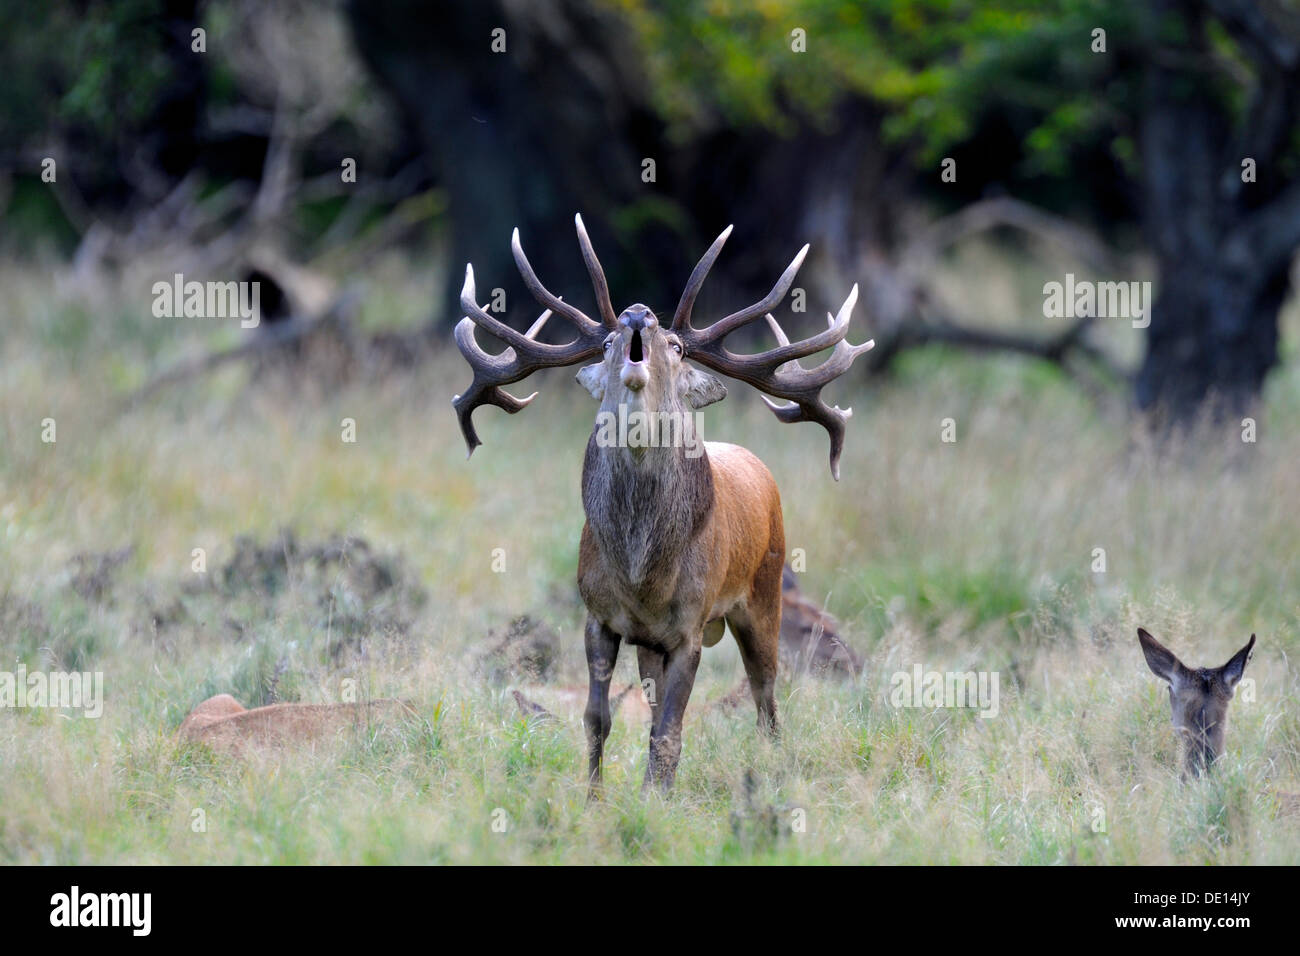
(372, 561)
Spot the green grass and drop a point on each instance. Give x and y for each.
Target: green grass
(974, 555)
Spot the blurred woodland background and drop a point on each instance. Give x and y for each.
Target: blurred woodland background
(804, 120)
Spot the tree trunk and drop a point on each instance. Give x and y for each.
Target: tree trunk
(1212, 340)
(524, 137)
(561, 123)
(1223, 242)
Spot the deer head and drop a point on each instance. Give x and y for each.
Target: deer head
(642, 361)
(643, 369)
(1198, 698)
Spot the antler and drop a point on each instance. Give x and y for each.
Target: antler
(524, 354)
(776, 371)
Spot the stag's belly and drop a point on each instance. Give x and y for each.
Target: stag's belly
(646, 615)
(664, 611)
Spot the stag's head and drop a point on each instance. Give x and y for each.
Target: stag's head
(643, 369)
(1198, 698)
(641, 361)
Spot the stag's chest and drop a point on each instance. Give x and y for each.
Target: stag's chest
(644, 561)
(657, 608)
(617, 586)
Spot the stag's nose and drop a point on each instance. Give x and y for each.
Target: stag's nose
(636, 321)
(638, 318)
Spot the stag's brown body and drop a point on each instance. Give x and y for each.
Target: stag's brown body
(664, 577)
(656, 575)
(681, 536)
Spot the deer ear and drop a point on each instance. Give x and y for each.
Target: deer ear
(701, 388)
(593, 379)
(1162, 661)
(1231, 672)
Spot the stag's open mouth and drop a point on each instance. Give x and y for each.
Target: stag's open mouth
(635, 347)
(635, 374)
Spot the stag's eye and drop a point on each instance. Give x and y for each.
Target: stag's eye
(608, 344)
(677, 347)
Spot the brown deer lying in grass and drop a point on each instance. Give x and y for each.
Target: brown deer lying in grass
(1198, 697)
(810, 638)
(225, 725)
(680, 535)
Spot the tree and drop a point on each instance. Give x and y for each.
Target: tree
(1148, 121)
(1222, 203)
(562, 115)
(1188, 108)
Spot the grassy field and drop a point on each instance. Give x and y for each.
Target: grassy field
(970, 555)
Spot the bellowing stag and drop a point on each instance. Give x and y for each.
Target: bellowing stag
(680, 535)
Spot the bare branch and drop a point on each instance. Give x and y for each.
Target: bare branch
(986, 214)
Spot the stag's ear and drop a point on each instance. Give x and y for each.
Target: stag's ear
(1231, 672)
(701, 388)
(593, 378)
(1162, 661)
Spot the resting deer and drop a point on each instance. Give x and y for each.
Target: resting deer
(679, 536)
(226, 725)
(1198, 697)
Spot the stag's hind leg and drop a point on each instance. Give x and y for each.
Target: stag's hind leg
(757, 627)
(651, 664)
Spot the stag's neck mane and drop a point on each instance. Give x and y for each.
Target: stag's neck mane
(645, 505)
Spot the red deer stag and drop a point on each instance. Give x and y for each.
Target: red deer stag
(680, 535)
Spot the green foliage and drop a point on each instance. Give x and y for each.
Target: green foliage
(98, 67)
(938, 68)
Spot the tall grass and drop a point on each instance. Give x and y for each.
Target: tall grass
(971, 555)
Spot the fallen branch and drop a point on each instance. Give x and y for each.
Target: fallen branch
(915, 325)
(1056, 349)
(279, 336)
(986, 214)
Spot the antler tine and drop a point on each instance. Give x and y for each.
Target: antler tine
(481, 392)
(551, 301)
(781, 337)
(523, 355)
(682, 317)
(536, 327)
(779, 332)
(723, 327)
(597, 276)
(832, 418)
(841, 357)
(475, 314)
(708, 351)
(778, 373)
(490, 373)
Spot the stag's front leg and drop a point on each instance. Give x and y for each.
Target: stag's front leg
(666, 732)
(602, 655)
